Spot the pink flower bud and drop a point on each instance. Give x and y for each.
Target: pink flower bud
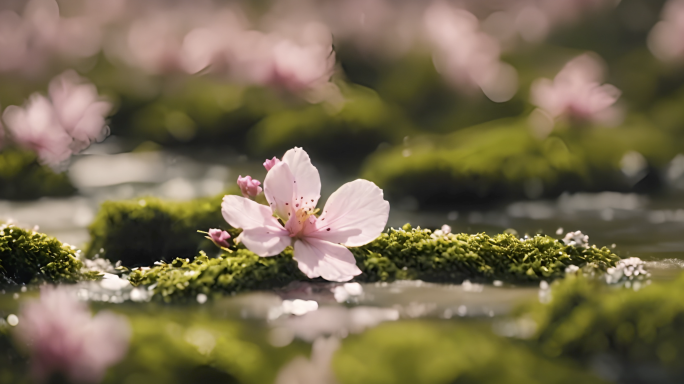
(270, 163)
(248, 186)
(219, 237)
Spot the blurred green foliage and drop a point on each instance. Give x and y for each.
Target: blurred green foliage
(637, 335)
(432, 352)
(22, 178)
(500, 159)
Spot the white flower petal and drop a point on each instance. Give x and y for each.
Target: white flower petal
(244, 213)
(266, 241)
(308, 181)
(279, 189)
(354, 215)
(332, 262)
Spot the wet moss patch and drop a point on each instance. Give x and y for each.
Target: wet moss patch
(30, 257)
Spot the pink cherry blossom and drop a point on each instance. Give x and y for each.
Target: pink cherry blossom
(57, 127)
(248, 186)
(80, 109)
(36, 127)
(62, 337)
(576, 92)
(219, 237)
(665, 39)
(270, 163)
(354, 215)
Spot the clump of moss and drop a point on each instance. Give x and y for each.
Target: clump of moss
(445, 352)
(23, 178)
(231, 272)
(419, 254)
(398, 254)
(642, 332)
(503, 159)
(141, 231)
(28, 256)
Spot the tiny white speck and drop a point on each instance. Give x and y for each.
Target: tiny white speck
(201, 298)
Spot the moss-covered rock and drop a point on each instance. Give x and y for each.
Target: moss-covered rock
(141, 231)
(641, 333)
(22, 178)
(504, 159)
(398, 254)
(28, 256)
(445, 352)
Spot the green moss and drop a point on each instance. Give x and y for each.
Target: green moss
(398, 254)
(445, 352)
(235, 272)
(22, 178)
(587, 320)
(142, 231)
(418, 254)
(28, 256)
(498, 159)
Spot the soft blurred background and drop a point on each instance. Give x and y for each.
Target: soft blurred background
(539, 116)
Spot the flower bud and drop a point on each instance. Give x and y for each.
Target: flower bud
(270, 163)
(249, 186)
(219, 237)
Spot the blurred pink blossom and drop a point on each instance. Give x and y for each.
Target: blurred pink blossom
(66, 123)
(63, 337)
(576, 92)
(35, 126)
(465, 55)
(79, 108)
(665, 39)
(248, 186)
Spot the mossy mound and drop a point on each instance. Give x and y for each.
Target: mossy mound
(410, 253)
(445, 352)
(22, 178)
(641, 333)
(504, 159)
(141, 231)
(239, 271)
(28, 256)
(398, 254)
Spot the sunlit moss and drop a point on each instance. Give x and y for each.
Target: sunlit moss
(22, 178)
(398, 254)
(419, 254)
(28, 256)
(235, 272)
(431, 352)
(505, 159)
(638, 331)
